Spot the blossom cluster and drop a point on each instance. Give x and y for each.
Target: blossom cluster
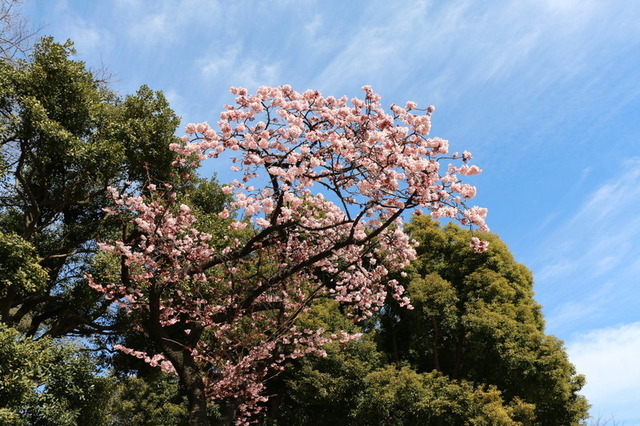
(370, 160)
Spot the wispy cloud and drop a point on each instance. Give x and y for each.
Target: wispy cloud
(154, 28)
(88, 38)
(590, 260)
(519, 49)
(237, 69)
(609, 358)
(166, 23)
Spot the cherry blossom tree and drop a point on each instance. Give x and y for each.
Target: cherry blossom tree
(317, 212)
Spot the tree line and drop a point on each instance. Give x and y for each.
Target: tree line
(133, 291)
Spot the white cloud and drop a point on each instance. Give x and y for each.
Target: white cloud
(89, 40)
(609, 359)
(130, 4)
(153, 28)
(222, 61)
(583, 303)
(601, 214)
(313, 26)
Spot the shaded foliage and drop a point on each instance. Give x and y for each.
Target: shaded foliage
(325, 390)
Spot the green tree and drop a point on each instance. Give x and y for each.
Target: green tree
(401, 396)
(48, 383)
(476, 319)
(353, 385)
(64, 138)
(319, 390)
(472, 352)
(150, 401)
(20, 271)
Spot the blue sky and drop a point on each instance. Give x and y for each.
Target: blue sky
(544, 93)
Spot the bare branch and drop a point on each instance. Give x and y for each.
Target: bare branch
(16, 31)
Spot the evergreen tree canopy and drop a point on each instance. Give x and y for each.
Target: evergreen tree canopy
(64, 138)
(476, 319)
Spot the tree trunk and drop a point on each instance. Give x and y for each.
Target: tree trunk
(394, 343)
(436, 341)
(229, 412)
(192, 382)
(459, 356)
(183, 362)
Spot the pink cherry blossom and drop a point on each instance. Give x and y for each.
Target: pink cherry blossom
(478, 245)
(323, 188)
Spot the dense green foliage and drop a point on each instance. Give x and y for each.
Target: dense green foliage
(402, 396)
(149, 401)
(476, 319)
(20, 271)
(356, 385)
(48, 383)
(325, 389)
(64, 138)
